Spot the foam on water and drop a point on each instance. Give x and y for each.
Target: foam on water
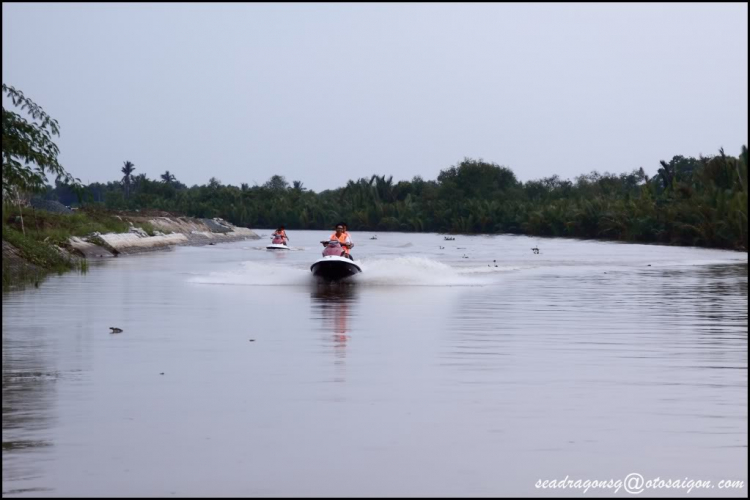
(414, 271)
(253, 273)
(424, 271)
(399, 271)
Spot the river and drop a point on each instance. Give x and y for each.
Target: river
(473, 367)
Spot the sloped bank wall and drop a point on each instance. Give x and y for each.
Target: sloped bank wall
(168, 231)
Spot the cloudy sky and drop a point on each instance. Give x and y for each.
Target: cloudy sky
(328, 92)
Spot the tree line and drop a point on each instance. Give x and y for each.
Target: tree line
(691, 201)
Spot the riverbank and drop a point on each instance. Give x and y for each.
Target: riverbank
(37, 242)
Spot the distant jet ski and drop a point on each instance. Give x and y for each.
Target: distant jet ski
(333, 266)
(277, 243)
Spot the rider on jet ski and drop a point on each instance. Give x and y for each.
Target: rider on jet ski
(338, 239)
(279, 236)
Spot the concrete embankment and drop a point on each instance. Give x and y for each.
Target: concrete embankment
(28, 258)
(168, 232)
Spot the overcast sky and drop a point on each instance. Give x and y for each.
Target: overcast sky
(328, 92)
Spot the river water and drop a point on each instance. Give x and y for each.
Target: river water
(471, 367)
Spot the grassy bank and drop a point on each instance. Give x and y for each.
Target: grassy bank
(29, 260)
(39, 246)
(41, 225)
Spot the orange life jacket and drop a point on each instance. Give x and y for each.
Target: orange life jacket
(341, 239)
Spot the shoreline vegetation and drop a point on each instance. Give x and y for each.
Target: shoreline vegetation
(59, 242)
(41, 244)
(689, 202)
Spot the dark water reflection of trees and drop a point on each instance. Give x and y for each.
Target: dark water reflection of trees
(29, 386)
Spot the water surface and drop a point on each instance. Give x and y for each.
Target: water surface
(469, 367)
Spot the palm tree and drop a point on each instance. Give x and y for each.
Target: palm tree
(168, 178)
(383, 187)
(127, 170)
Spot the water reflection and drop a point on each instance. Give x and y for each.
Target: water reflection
(28, 404)
(279, 254)
(333, 303)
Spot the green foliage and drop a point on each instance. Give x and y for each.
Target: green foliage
(690, 201)
(28, 151)
(148, 227)
(39, 253)
(476, 179)
(58, 228)
(45, 233)
(277, 183)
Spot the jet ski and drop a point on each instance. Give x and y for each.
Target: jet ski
(277, 243)
(333, 266)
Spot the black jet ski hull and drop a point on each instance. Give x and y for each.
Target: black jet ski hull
(335, 268)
